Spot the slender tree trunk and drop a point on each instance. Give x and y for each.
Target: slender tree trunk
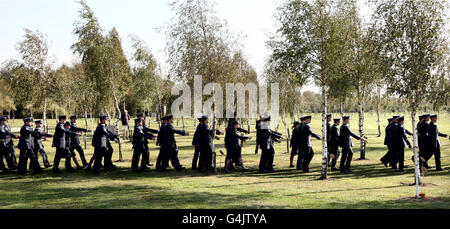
(44, 115)
(182, 122)
(116, 102)
(324, 174)
(86, 126)
(416, 152)
(361, 129)
(214, 132)
(341, 107)
(378, 121)
(283, 119)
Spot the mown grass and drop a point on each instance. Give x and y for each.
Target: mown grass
(370, 186)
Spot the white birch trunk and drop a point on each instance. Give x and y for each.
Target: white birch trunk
(416, 153)
(44, 115)
(361, 129)
(324, 134)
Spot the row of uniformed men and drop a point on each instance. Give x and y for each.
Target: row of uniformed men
(301, 143)
(428, 141)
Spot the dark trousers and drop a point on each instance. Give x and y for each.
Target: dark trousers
(108, 164)
(436, 152)
(146, 156)
(99, 153)
(307, 155)
(2, 155)
(195, 164)
(23, 161)
(333, 150)
(387, 158)
(62, 153)
(266, 161)
(206, 157)
(80, 151)
(11, 159)
(346, 159)
(398, 158)
(44, 156)
(137, 152)
(166, 155)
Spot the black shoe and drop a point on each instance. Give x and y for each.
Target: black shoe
(244, 170)
(343, 172)
(349, 171)
(227, 171)
(291, 166)
(5, 171)
(144, 169)
(385, 164)
(439, 170)
(334, 169)
(270, 171)
(150, 165)
(48, 166)
(56, 171)
(428, 167)
(135, 170)
(71, 170)
(180, 169)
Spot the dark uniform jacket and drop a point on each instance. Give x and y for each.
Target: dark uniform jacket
(140, 137)
(74, 138)
(328, 132)
(59, 139)
(258, 132)
(434, 134)
(305, 136)
(148, 131)
(9, 141)
(387, 134)
(232, 138)
(334, 136)
(422, 130)
(166, 138)
(294, 138)
(392, 134)
(346, 136)
(204, 135)
(399, 138)
(27, 135)
(38, 140)
(101, 136)
(267, 138)
(5, 135)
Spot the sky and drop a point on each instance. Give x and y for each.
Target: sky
(251, 18)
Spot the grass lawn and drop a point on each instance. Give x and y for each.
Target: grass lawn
(370, 186)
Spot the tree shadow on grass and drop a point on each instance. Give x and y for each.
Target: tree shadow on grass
(130, 196)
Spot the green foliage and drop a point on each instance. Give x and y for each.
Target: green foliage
(413, 36)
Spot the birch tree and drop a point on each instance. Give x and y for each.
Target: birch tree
(413, 34)
(309, 44)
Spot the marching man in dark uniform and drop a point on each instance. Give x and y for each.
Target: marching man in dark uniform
(294, 143)
(306, 144)
(347, 145)
(233, 146)
(333, 144)
(267, 138)
(392, 139)
(140, 143)
(422, 130)
(434, 142)
(5, 135)
(62, 148)
(26, 146)
(386, 159)
(75, 141)
(102, 146)
(38, 146)
(146, 153)
(398, 140)
(169, 149)
(196, 145)
(204, 143)
(11, 153)
(257, 128)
